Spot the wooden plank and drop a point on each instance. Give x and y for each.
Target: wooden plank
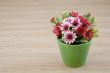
(27, 44)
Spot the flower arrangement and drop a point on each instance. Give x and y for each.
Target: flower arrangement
(72, 28)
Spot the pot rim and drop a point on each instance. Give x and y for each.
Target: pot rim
(74, 44)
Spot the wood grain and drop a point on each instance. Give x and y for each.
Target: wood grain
(27, 44)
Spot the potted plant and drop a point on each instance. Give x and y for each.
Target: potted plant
(74, 35)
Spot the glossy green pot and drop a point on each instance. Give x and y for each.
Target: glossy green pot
(74, 55)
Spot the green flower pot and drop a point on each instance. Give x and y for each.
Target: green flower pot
(74, 55)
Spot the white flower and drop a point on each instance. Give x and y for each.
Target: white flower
(68, 20)
(76, 22)
(69, 37)
(64, 27)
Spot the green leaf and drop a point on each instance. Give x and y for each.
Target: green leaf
(80, 39)
(58, 20)
(65, 14)
(88, 18)
(53, 24)
(92, 20)
(83, 41)
(94, 32)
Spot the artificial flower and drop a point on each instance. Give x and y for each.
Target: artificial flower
(85, 22)
(64, 27)
(68, 20)
(69, 37)
(88, 34)
(76, 22)
(74, 14)
(57, 31)
(72, 27)
(80, 29)
(80, 17)
(58, 24)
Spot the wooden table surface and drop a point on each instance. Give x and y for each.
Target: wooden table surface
(27, 44)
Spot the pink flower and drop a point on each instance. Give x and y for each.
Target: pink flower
(64, 27)
(69, 37)
(76, 22)
(69, 20)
